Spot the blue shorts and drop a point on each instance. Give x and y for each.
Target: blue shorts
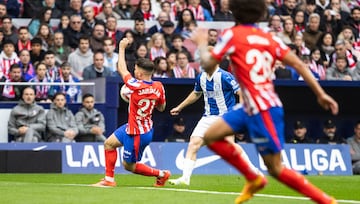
(134, 145)
(266, 129)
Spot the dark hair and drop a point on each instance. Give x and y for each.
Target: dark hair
(14, 66)
(38, 65)
(145, 64)
(84, 37)
(65, 64)
(23, 89)
(87, 95)
(177, 36)
(181, 23)
(57, 94)
(49, 52)
(247, 11)
(23, 28)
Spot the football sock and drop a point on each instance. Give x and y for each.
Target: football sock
(110, 159)
(298, 182)
(229, 152)
(145, 170)
(188, 168)
(246, 158)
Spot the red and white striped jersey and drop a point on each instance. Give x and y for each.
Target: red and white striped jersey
(142, 101)
(253, 53)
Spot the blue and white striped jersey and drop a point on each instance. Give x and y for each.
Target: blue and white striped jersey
(218, 91)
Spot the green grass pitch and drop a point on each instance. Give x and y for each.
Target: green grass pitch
(135, 189)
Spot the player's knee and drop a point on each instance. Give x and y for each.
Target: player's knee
(128, 166)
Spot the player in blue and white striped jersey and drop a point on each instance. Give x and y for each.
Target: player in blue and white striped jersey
(219, 88)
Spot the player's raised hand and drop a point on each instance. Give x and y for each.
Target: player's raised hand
(327, 102)
(200, 36)
(175, 111)
(123, 43)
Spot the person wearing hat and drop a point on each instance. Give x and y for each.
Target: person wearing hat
(299, 136)
(329, 134)
(178, 134)
(161, 19)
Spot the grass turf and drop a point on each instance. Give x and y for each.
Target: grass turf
(135, 189)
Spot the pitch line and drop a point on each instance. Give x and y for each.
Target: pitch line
(177, 190)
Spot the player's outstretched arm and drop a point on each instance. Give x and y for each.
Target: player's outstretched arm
(122, 67)
(190, 99)
(326, 101)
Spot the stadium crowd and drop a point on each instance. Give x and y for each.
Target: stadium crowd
(324, 33)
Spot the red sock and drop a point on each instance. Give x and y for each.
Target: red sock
(299, 183)
(229, 153)
(145, 170)
(110, 159)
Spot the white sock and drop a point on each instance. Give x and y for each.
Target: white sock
(161, 173)
(108, 178)
(188, 168)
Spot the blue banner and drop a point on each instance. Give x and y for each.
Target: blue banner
(88, 158)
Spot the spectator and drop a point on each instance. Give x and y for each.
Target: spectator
(12, 92)
(97, 69)
(312, 32)
(171, 60)
(178, 134)
(329, 134)
(107, 10)
(300, 44)
(124, 9)
(354, 21)
(340, 49)
(10, 32)
(161, 19)
(37, 54)
(64, 23)
(43, 17)
(326, 45)
(281, 71)
(42, 92)
(168, 30)
(74, 32)
(177, 7)
(46, 36)
(286, 10)
(354, 143)
(1, 38)
(53, 72)
(81, 57)
(55, 12)
(200, 12)
(177, 44)
(74, 8)
(274, 24)
(60, 50)
(224, 13)
(28, 70)
(288, 34)
(24, 39)
(299, 134)
(157, 46)
(95, 5)
(110, 56)
(339, 70)
(12, 8)
(161, 68)
(90, 121)
(141, 51)
(8, 57)
(72, 92)
(27, 119)
(97, 37)
(300, 21)
(183, 69)
(316, 63)
(141, 36)
(89, 20)
(112, 31)
(166, 7)
(185, 18)
(60, 121)
(212, 39)
(144, 11)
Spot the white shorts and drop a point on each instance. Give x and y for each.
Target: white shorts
(204, 123)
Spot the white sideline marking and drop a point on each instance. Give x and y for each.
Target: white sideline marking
(177, 190)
